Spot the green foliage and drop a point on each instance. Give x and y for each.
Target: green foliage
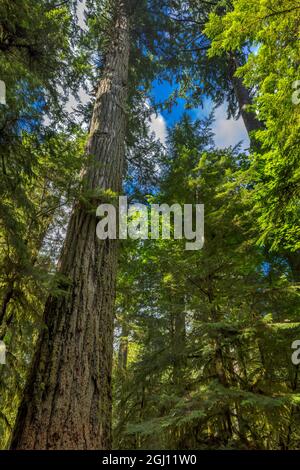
(210, 366)
(271, 27)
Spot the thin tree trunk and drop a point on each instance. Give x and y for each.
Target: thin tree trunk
(178, 339)
(67, 401)
(123, 349)
(294, 262)
(8, 296)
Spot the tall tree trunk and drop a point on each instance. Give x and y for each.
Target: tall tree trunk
(243, 97)
(67, 401)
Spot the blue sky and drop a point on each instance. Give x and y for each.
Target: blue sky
(227, 132)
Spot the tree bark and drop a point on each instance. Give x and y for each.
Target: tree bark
(294, 263)
(8, 296)
(67, 401)
(178, 338)
(244, 98)
(123, 349)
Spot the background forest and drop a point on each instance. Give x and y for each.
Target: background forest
(141, 344)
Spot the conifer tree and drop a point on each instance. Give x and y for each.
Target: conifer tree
(67, 401)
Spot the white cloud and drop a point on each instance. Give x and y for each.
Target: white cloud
(73, 102)
(228, 131)
(159, 127)
(80, 14)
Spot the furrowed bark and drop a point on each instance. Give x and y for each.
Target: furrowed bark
(67, 401)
